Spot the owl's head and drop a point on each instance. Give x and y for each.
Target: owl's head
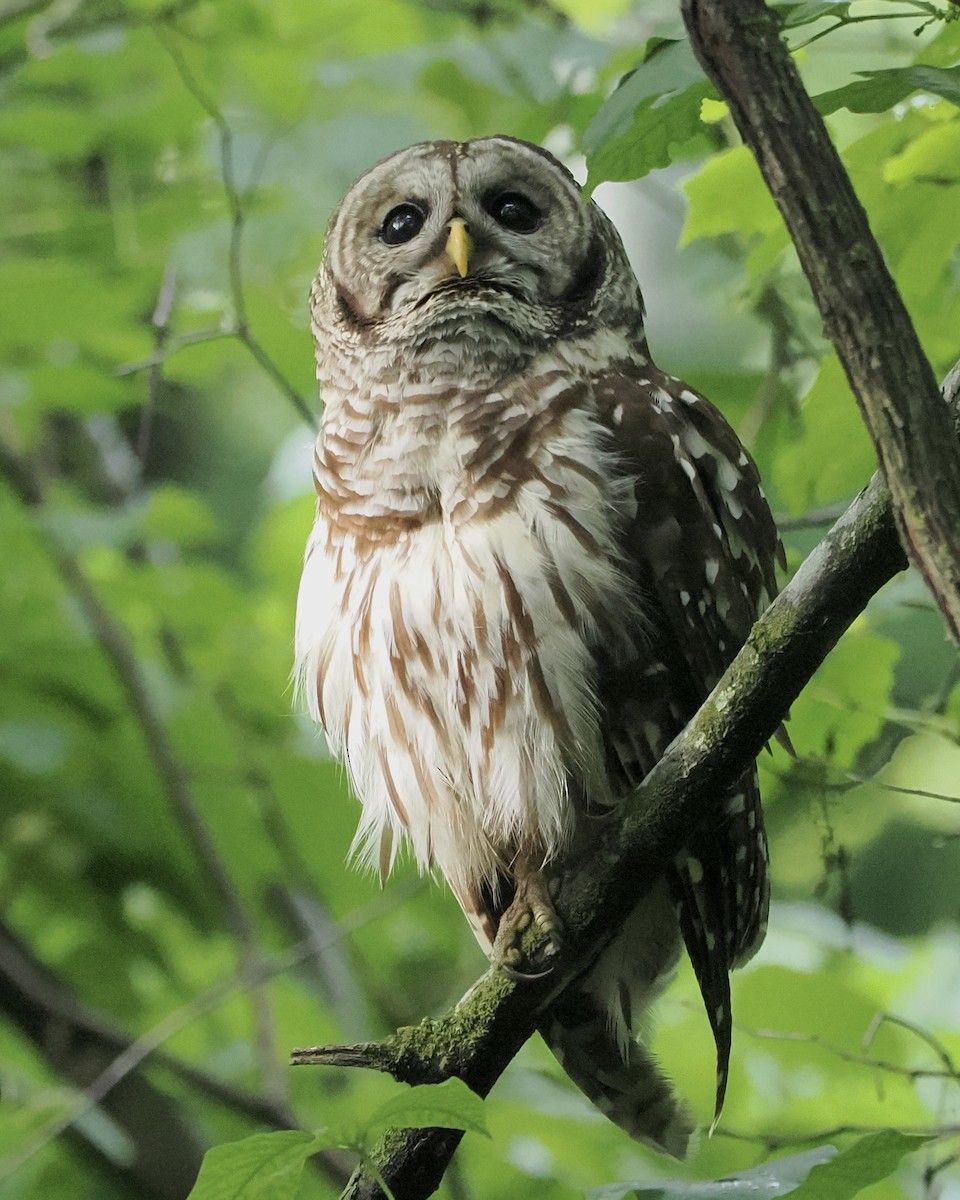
(488, 241)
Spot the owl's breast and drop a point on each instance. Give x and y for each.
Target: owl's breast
(450, 652)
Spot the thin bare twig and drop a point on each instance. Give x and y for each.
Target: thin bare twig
(173, 344)
(885, 1018)
(848, 779)
(896, 789)
(931, 1173)
(918, 10)
(161, 326)
(236, 198)
(814, 518)
(771, 1142)
(850, 1056)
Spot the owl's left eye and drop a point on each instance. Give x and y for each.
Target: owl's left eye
(401, 224)
(514, 211)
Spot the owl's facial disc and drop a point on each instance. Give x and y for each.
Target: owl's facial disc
(490, 229)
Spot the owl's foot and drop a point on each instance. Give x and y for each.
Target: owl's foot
(532, 905)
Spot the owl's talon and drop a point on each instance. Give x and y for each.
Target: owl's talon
(524, 976)
(513, 962)
(532, 905)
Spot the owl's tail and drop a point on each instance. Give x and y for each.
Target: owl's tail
(590, 1028)
(624, 1082)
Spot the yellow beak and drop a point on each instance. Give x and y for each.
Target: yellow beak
(458, 245)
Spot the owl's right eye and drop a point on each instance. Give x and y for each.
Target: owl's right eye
(401, 224)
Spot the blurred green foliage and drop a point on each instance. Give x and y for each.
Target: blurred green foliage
(172, 871)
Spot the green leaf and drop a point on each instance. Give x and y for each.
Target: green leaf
(728, 195)
(843, 706)
(878, 91)
(866, 1162)
(833, 457)
(933, 157)
(772, 1179)
(656, 107)
(55, 128)
(266, 1166)
(447, 1105)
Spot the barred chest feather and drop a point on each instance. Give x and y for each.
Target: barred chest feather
(473, 535)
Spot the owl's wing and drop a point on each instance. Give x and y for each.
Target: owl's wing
(703, 547)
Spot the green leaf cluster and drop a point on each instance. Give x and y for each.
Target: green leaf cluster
(270, 1164)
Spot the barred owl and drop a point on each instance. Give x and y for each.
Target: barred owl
(534, 554)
